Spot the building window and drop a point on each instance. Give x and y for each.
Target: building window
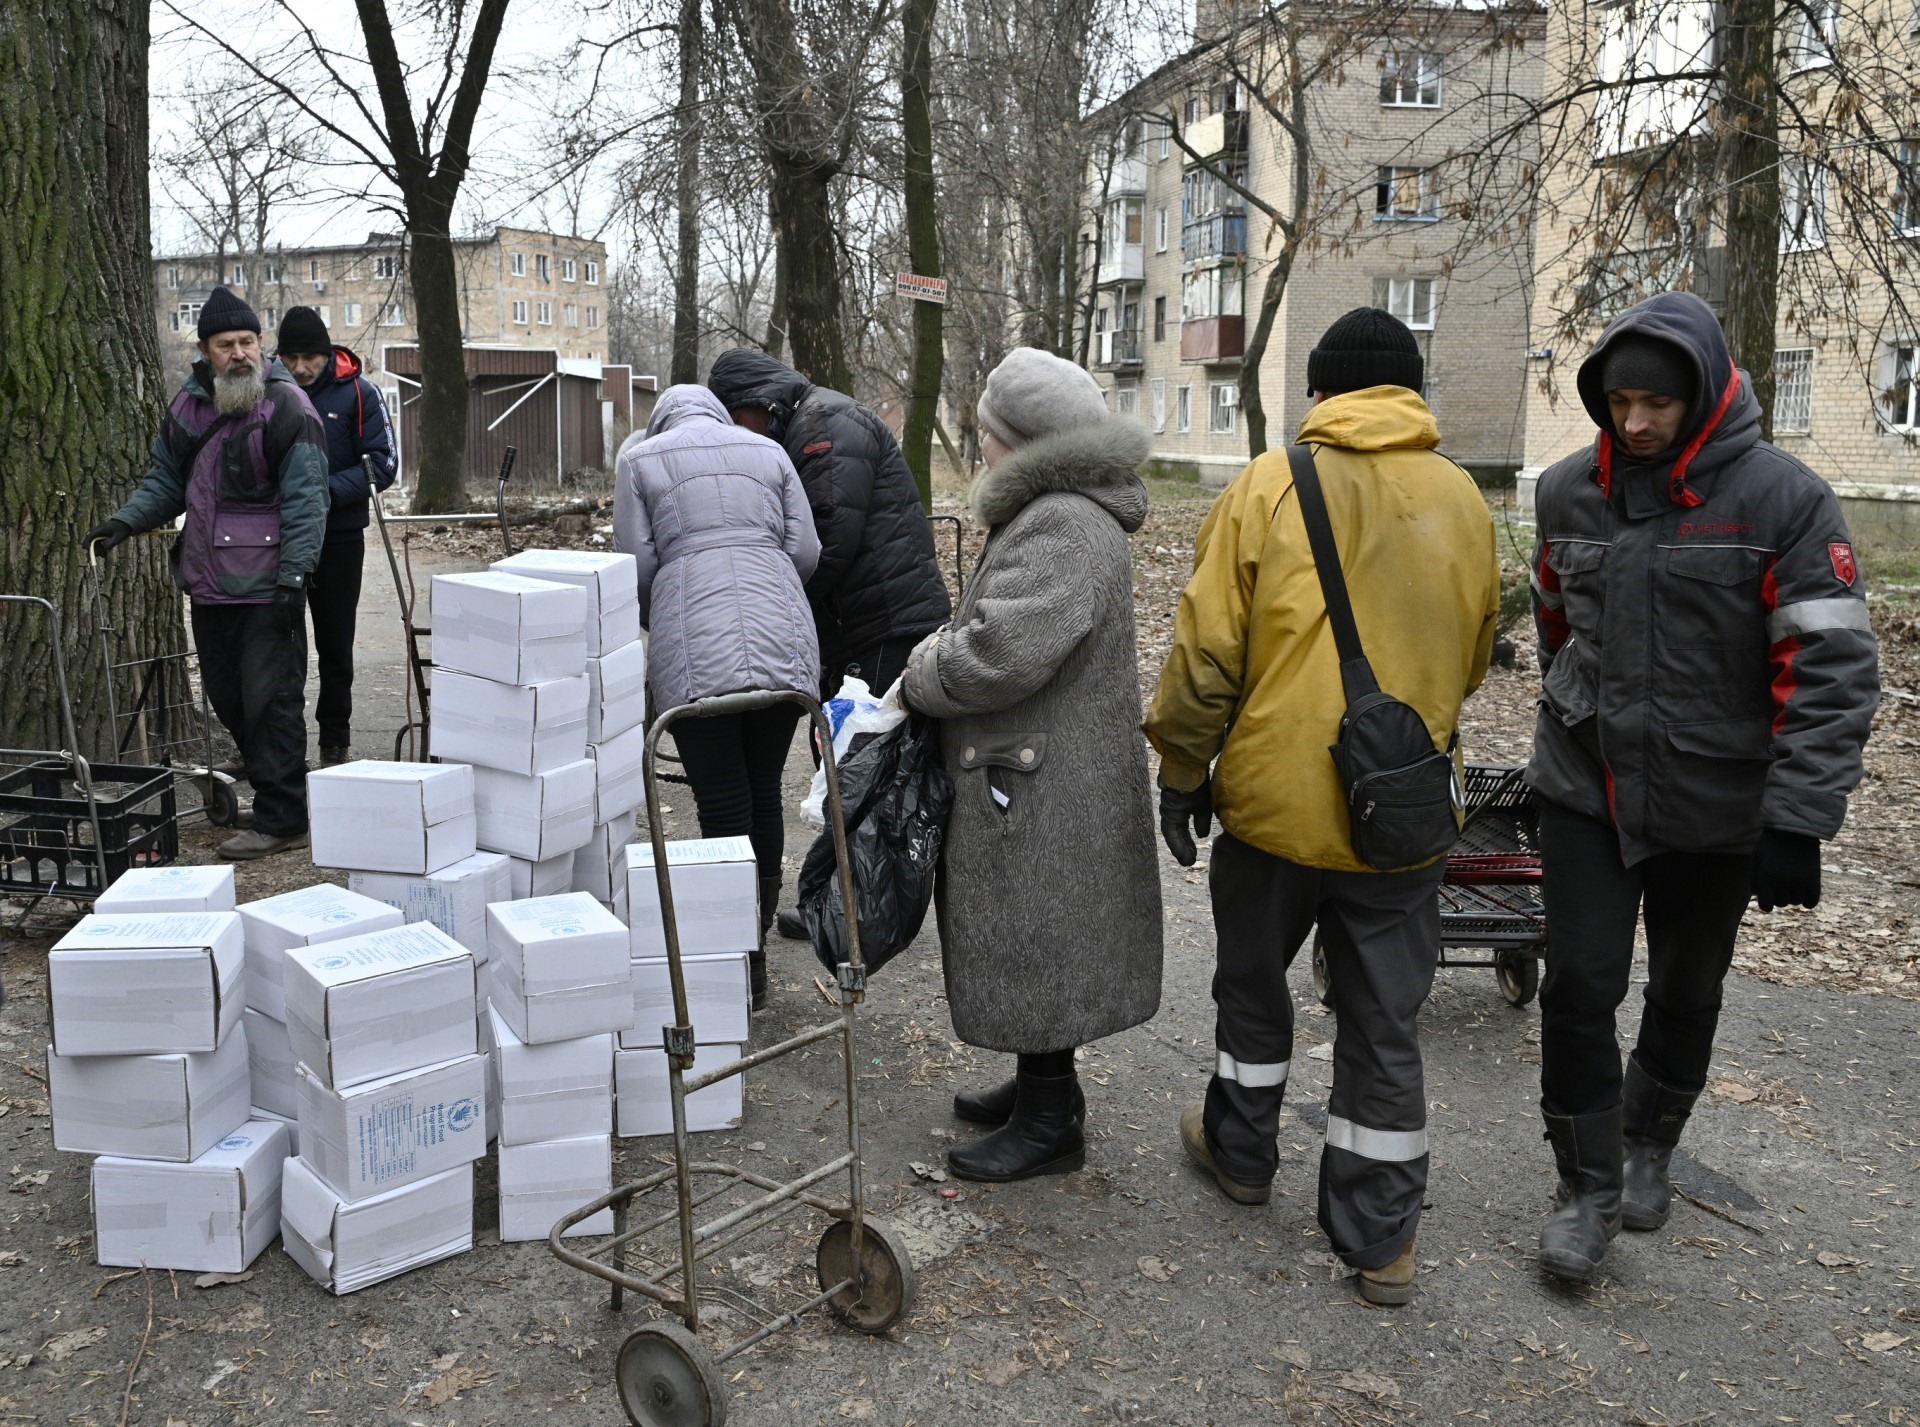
(1900, 393)
(269, 317)
(273, 272)
(570, 315)
(1163, 141)
(350, 313)
(1406, 195)
(384, 266)
(593, 317)
(593, 273)
(1222, 399)
(1816, 26)
(1126, 398)
(1160, 229)
(1183, 408)
(543, 267)
(1159, 319)
(569, 269)
(517, 264)
(1411, 300)
(1210, 292)
(313, 269)
(520, 313)
(173, 277)
(545, 310)
(393, 315)
(173, 321)
(1906, 192)
(1157, 396)
(238, 277)
(1411, 80)
(1793, 389)
(326, 314)
(1803, 204)
(1190, 113)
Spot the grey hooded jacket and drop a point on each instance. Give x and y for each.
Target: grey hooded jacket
(1049, 887)
(718, 522)
(1710, 668)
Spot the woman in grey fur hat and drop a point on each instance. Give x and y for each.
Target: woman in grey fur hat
(1049, 891)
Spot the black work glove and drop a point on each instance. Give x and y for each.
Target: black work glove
(106, 536)
(1786, 870)
(291, 602)
(1177, 809)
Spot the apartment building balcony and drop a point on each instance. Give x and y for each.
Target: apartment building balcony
(1118, 350)
(1125, 263)
(1223, 235)
(1128, 179)
(1213, 339)
(1223, 135)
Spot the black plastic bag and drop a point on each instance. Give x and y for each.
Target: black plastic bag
(897, 796)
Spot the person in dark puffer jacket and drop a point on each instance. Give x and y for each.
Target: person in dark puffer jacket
(355, 420)
(877, 590)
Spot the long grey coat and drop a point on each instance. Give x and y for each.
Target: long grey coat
(716, 519)
(1049, 905)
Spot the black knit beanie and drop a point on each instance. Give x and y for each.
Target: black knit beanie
(303, 334)
(224, 312)
(1640, 362)
(1367, 347)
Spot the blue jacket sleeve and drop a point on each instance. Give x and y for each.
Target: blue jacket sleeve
(295, 433)
(373, 436)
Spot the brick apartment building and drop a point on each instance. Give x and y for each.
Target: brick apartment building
(1181, 262)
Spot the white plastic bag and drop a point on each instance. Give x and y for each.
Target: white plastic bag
(854, 710)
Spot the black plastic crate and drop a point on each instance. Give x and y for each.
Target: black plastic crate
(46, 837)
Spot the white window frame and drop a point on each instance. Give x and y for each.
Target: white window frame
(1183, 408)
(569, 270)
(1160, 229)
(593, 273)
(313, 270)
(173, 319)
(383, 267)
(239, 278)
(543, 267)
(1815, 32)
(269, 317)
(391, 314)
(520, 311)
(1221, 407)
(326, 314)
(1157, 402)
(1126, 398)
(1793, 389)
(1906, 190)
(173, 278)
(543, 313)
(273, 273)
(1387, 193)
(569, 314)
(1164, 140)
(1426, 90)
(593, 317)
(350, 314)
(1803, 204)
(517, 264)
(1899, 410)
(1404, 300)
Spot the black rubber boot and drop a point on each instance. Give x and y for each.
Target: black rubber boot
(1042, 1134)
(994, 1105)
(1655, 1116)
(757, 980)
(1586, 1148)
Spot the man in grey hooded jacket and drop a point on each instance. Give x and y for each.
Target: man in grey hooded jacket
(1710, 680)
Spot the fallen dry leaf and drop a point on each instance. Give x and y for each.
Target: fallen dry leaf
(927, 1171)
(1003, 1372)
(1294, 1355)
(858, 1409)
(1157, 1268)
(1323, 1051)
(25, 1182)
(1883, 1342)
(453, 1382)
(1732, 1090)
(1368, 1384)
(214, 1280)
(62, 1346)
(10, 1257)
(1827, 1258)
(1532, 1343)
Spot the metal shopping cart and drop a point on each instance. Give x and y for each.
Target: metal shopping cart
(666, 1373)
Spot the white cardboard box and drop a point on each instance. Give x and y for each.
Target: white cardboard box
(508, 628)
(286, 1122)
(374, 1005)
(391, 817)
(139, 983)
(716, 896)
(548, 878)
(717, 997)
(380, 1134)
(270, 1055)
(560, 968)
(541, 1182)
(559, 1090)
(346, 1247)
(517, 728)
(172, 1107)
(600, 868)
(612, 583)
(307, 917)
(538, 816)
(453, 899)
(616, 691)
(169, 889)
(619, 773)
(642, 1099)
(212, 1215)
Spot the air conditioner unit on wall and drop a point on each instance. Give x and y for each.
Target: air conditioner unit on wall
(1230, 396)
(320, 286)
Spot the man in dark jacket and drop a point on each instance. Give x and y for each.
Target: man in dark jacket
(877, 590)
(240, 453)
(1711, 677)
(355, 420)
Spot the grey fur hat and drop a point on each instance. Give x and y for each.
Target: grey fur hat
(1033, 393)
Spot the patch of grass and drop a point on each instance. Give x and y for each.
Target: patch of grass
(1892, 565)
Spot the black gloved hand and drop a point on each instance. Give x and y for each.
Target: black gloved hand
(291, 602)
(1177, 809)
(1786, 870)
(106, 536)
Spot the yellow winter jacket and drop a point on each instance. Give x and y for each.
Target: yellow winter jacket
(1253, 678)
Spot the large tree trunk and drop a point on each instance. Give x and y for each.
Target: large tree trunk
(1750, 152)
(1252, 400)
(440, 483)
(804, 205)
(923, 244)
(686, 198)
(80, 399)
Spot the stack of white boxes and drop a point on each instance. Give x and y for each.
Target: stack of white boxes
(454, 899)
(616, 706)
(716, 910)
(392, 1096)
(560, 989)
(148, 1069)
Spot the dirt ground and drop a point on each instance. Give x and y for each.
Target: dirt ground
(1786, 1288)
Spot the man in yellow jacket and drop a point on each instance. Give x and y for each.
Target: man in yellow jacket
(1254, 682)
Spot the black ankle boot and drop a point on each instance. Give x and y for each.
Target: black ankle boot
(1586, 1148)
(757, 980)
(1655, 1114)
(1042, 1134)
(994, 1105)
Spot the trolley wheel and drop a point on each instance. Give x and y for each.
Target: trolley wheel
(885, 1292)
(1322, 978)
(667, 1378)
(222, 803)
(1519, 976)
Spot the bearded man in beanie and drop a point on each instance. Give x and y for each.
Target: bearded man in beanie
(241, 454)
(1254, 682)
(1711, 676)
(355, 421)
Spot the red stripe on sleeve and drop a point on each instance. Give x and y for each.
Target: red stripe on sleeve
(1785, 681)
(1553, 620)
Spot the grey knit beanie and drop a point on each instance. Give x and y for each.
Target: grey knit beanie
(1033, 393)
(1639, 361)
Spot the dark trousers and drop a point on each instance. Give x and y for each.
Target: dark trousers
(1382, 936)
(254, 669)
(733, 764)
(333, 599)
(879, 663)
(1693, 904)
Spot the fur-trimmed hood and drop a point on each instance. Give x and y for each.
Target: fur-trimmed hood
(1100, 462)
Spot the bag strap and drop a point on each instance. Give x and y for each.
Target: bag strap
(1356, 674)
(213, 429)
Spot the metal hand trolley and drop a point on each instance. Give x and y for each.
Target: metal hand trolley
(1490, 894)
(667, 1374)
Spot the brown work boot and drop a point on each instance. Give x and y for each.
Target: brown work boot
(1193, 1134)
(1391, 1284)
(253, 843)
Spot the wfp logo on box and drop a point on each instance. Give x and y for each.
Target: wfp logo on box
(463, 1115)
(236, 1142)
(330, 963)
(338, 915)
